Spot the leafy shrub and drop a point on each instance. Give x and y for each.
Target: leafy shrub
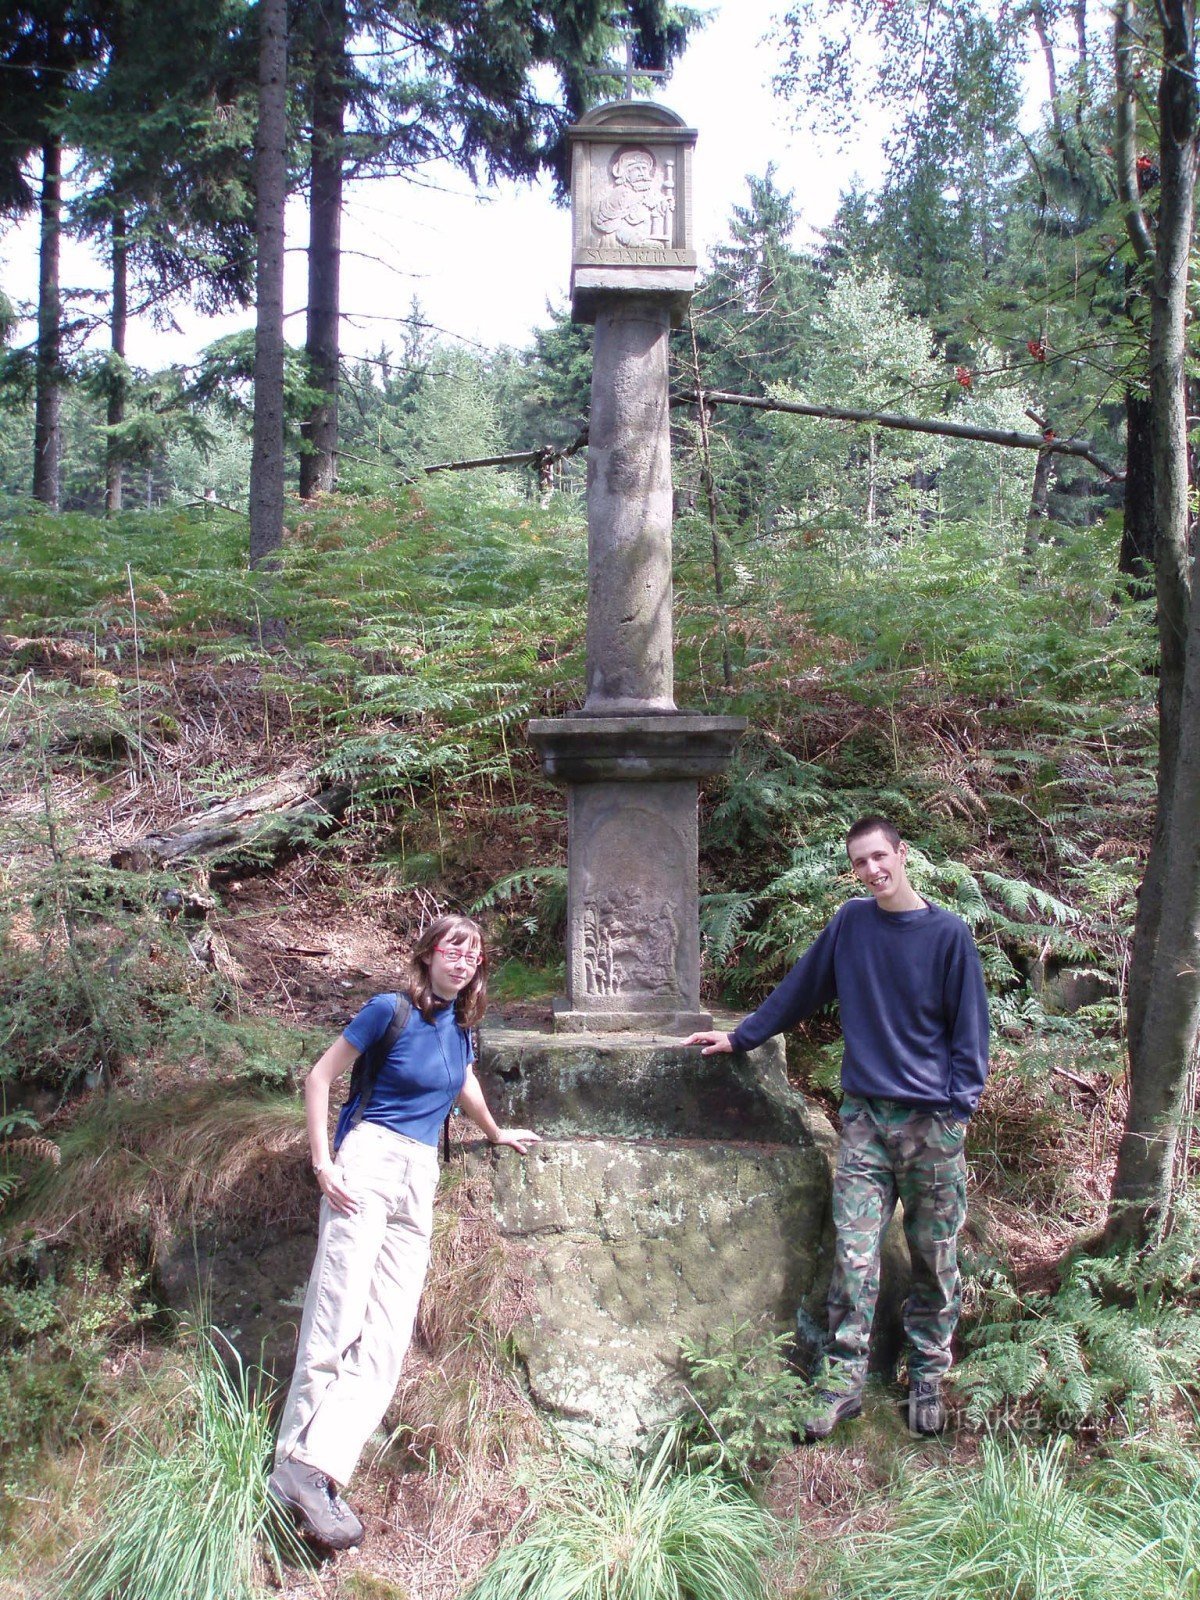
(1122, 1334)
(651, 1535)
(186, 1511)
(746, 1403)
(56, 1332)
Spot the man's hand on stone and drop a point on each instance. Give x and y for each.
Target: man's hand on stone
(714, 1043)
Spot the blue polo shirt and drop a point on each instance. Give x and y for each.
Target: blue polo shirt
(424, 1073)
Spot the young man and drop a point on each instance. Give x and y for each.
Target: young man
(909, 985)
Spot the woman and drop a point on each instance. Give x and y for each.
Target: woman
(376, 1216)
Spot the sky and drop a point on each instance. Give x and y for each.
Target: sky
(485, 264)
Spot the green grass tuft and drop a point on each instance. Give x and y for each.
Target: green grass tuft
(651, 1535)
(189, 1514)
(1021, 1526)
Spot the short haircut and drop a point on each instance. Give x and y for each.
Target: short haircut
(873, 823)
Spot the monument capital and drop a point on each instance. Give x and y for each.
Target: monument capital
(631, 207)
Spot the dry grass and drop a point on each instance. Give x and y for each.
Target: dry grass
(135, 1171)
(1046, 1145)
(459, 1405)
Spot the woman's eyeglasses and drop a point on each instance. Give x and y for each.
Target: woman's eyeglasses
(457, 956)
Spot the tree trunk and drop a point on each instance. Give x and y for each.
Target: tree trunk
(115, 467)
(1039, 502)
(47, 431)
(1139, 529)
(1164, 989)
(318, 463)
(270, 174)
(1161, 1049)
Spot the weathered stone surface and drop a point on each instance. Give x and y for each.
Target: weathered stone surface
(634, 749)
(631, 203)
(706, 1199)
(645, 1088)
(630, 666)
(633, 942)
(631, 1247)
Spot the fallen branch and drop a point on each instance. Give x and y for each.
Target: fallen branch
(1007, 437)
(545, 457)
(1073, 1077)
(256, 830)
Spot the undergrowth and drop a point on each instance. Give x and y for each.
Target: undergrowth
(60, 1323)
(746, 1404)
(1119, 1340)
(186, 1508)
(643, 1534)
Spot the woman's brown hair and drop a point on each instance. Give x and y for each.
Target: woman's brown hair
(469, 1007)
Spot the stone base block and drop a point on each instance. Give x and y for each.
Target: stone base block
(630, 1248)
(674, 1193)
(645, 1088)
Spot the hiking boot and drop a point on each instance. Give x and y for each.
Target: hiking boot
(926, 1410)
(321, 1512)
(832, 1406)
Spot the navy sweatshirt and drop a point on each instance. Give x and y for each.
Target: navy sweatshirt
(913, 1008)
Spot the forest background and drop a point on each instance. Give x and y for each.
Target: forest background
(996, 642)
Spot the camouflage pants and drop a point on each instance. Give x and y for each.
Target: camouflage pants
(890, 1152)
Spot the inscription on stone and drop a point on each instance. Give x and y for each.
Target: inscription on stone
(638, 257)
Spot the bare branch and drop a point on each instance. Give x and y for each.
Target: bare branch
(1006, 437)
(545, 457)
(890, 419)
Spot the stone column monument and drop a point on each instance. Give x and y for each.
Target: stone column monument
(673, 1193)
(630, 760)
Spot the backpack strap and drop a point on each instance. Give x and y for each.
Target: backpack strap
(470, 1040)
(366, 1069)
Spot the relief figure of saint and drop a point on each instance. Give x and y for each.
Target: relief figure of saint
(637, 209)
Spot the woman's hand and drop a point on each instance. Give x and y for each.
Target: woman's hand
(519, 1138)
(329, 1181)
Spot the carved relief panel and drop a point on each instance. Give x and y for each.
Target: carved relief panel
(631, 167)
(632, 897)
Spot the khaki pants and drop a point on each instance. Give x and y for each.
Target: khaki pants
(361, 1302)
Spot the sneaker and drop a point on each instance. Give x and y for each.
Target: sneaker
(321, 1512)
(926, 1410)
(831, 1407)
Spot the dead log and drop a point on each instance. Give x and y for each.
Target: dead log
(249, 834)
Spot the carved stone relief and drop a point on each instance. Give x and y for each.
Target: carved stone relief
(638, 207)
(630, 940)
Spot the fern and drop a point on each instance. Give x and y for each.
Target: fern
(528, 881)
(1121, 1336)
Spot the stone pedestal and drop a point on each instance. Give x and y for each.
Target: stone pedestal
(633, 943)
(673, 1195)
